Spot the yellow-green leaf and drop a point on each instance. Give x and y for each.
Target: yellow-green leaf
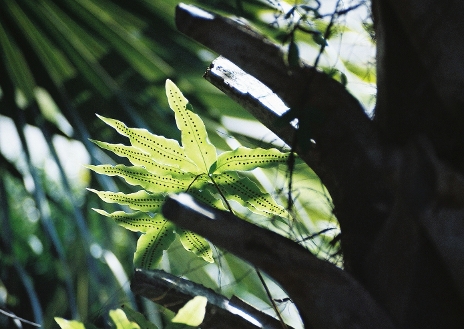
(137, 221)
(136, 175)
(196, 244)
(139, 318)
(66, 324)
(140, 200)
(121, 321)
(193, 312)
(164, 150)
(151, 245)
(248, 194)
(194, 136)
(140, 158)
(244, 159)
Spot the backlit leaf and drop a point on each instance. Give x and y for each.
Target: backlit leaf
(140, 176)
(248, 194)
(137, 221)
(162, 166)
(196, 244)
(151, 245)
(140, 200)
(140, 158)
(164, 150)
(139, 318)
(66, 324)
(193, 312)
(244, 159)
(194, 136)
(121, 321)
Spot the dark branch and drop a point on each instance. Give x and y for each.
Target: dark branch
(221, 313)
(346, 155)
(326, 296)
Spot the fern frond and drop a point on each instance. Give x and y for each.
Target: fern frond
(140, 158)
(151, 245)
(166, 151)
(194, 136)
(245, 159)
(248, 194)
(136, 175)
(136, 222)
(162, 166)
(140, 200)
(196, 244)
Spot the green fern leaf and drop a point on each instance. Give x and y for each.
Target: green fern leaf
(136, 222)
(164, 150)
(248, 194)
(151, 245)
(196, 244)
(140, 200)
(140, 158)
(194, 135)
(161, 166)
(209, 196)
(136, 175)
(244, 159)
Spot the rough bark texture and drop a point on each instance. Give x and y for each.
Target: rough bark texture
(397, 181)
(419, 114)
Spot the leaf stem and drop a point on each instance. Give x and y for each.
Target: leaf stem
(222, 194)
(268, 293)
(194, 180)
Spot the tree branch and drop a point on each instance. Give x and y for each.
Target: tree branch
(346, 155)
(255, 97)
(326, 296)
(173, 292)
(299, 87)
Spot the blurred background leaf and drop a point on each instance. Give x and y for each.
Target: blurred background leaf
(61, 62)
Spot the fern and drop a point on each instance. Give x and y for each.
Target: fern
(161, 166)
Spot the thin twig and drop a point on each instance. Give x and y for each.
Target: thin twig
(13, 316)
(222, 195)
(268, 293)
(326, 34)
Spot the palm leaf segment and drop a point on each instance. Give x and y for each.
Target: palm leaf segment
(161, 166)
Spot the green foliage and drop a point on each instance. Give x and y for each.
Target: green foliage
(121, 321)
(66, 324)
(193, 312)
(190, 315)
(138, 318)
(161, 166)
